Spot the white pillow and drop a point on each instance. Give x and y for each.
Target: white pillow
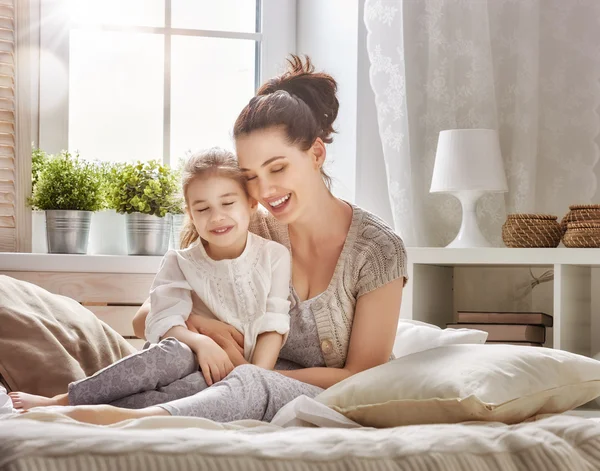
(458, 383)
(415, 336)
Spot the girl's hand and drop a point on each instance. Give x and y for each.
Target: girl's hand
(212, 359)
(226, 336)
(231, 347)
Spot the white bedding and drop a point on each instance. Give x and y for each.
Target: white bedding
(44, 441)
(6, 406)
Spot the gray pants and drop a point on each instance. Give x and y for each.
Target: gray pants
(167, 375)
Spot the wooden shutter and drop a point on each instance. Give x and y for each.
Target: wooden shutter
(8, 232)
(16, 117)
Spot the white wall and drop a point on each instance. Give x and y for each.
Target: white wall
(326, 30)
(279, 33)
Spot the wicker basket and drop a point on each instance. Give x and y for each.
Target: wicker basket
(581, 213)
(582, 234)
(531, 230)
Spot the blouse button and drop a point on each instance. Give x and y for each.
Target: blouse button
(326, 346)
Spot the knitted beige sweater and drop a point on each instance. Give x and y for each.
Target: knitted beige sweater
(372, 256)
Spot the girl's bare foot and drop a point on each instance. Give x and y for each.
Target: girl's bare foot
(26, 401)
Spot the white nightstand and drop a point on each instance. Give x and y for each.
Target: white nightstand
(429, 295)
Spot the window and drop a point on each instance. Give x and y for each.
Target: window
(124, 80)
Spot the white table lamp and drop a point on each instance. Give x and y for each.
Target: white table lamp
(468, 163)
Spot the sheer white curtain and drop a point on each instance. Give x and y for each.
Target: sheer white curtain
(529, 68)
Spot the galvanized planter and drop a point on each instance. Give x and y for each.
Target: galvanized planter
(68, 231)
(147, 235)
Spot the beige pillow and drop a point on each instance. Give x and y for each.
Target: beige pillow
(47, 340)
(459, 383)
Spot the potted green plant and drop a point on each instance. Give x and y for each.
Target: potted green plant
(146, 192)
(68, 189)
(39, 243)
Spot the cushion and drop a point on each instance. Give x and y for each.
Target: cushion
(415, 336)
(48, 341)
(458, 383)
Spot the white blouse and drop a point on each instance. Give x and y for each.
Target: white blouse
(250, 292)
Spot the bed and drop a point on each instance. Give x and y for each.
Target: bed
(352, 425)
(47, 441)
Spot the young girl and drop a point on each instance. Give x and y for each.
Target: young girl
(241, 278)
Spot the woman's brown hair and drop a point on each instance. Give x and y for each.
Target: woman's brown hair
(301, 100)
(211, 162)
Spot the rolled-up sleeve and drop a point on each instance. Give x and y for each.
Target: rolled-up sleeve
(170, 299)
(277, 315)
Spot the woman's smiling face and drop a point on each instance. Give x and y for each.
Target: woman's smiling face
(280, 175)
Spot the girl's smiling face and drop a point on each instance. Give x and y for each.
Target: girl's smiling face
(221, 212)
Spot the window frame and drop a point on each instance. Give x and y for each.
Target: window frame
(276, 19)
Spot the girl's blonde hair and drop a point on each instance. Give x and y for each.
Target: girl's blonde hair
(212, 162)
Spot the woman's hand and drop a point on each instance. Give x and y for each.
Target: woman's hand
(212, 359)
(225, 335)
(234, 354)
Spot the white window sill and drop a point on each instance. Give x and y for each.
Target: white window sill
(78, 263)
(10, 261)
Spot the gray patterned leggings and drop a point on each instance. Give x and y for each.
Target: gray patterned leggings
(167, 375)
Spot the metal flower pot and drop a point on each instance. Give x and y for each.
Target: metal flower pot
(147, 235)
(68, 231)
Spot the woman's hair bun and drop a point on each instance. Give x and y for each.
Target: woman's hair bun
(317, 89)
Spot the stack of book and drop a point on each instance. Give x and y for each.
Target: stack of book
(519, 328)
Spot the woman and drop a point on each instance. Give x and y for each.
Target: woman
(348, 267)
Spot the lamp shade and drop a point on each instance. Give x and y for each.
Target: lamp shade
(468, 160)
